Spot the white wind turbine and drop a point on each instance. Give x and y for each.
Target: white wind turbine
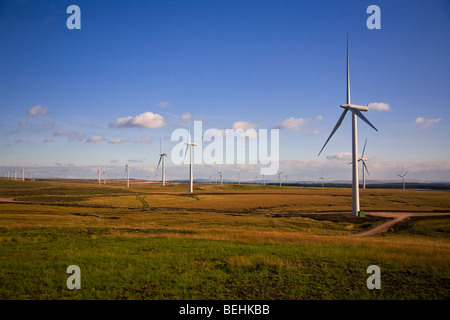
(162, 156)
(23, 175)
(279, 177)
(127, 171)
(356, 112)
(98, 174)
(189, 145)
(221, 176)
(364, 166)
(322, 178)
(403, 178)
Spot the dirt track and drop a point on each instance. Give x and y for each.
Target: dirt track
(396, 218)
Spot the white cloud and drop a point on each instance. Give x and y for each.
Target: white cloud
(294, 124)
(116, 141)
(164, 104)
(136, 160)
(144, 120)
(379, 106)
(244, 125)
(23, 122)
(64, 133)
(340, 156)
(144, 139)
(94, 139)
(186, 116)
(38, 110)
(425, 123)
(48, 140)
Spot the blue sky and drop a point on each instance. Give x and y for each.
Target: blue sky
(223, 62)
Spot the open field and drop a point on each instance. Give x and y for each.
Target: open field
(222, 242)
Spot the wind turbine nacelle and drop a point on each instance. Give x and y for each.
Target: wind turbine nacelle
(354, 106)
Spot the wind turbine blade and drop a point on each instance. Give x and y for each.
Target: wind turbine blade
(405, 173)
(187, 146)
(348, 76)
(335, 128)
(158, 163)
(400, 176)
(359, 114)
(364, 149)
(365, 166)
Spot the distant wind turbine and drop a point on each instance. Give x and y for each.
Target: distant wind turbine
(127, 171)
(221, 176)
(279, 177)
(162, 156)
(23, 175)
(322, 178)
(364, 166)
(98, 174)
(403, 178)
(189, 145)
(356, 112)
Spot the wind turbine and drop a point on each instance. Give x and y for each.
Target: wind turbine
(356, 112)
(162, 156)
(221, 176)
(127, 170)
(403, 178)
(23, 175)
(257, 180)
(322, 178)
(189, 145)
(279, 176)
(363, 161)
(264, 179)
(98, 173)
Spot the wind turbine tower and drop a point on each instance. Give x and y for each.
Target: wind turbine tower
(322, 178)
(189, 145)
(356, 112)
(162, 157)
(127, 170)
(23, 175)
(221, 176)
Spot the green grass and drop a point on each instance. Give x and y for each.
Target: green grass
(116, 266)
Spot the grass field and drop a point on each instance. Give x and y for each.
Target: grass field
(222, 242)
